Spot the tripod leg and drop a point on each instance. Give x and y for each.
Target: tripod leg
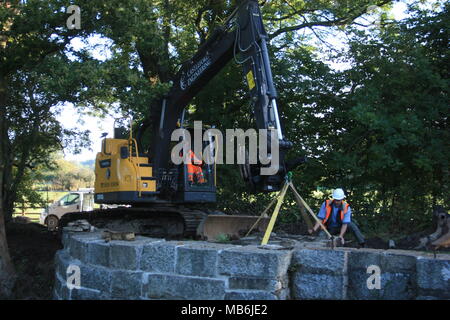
(274, 215)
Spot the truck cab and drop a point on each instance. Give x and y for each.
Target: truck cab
(74, 201)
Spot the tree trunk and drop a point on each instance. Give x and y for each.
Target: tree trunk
(7, 273)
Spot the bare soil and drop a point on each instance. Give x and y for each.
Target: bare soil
(32, 250)
(403, 242)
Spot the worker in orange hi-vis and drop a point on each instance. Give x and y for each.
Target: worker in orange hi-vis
(194, 168)
(336, 216)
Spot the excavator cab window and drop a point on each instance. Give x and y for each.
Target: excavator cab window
(199, 174)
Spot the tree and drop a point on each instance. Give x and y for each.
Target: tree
(400, 109)
(32, 31)
(382, 124)
(151, 40)
(67, 175)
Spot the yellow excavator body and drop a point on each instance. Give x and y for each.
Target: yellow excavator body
(119, 170)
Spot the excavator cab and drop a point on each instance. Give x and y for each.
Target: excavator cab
(195, 178)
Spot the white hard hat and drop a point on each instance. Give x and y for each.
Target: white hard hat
(338, 194)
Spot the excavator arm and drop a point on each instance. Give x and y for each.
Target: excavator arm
(161, 197)
(243, 38)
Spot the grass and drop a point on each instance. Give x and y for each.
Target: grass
(34, 213)
(34, 217)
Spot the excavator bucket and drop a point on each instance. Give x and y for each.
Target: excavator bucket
(231, 226)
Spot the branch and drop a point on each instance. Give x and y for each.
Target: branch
(330, 23)
(352, 15)
(197, 23)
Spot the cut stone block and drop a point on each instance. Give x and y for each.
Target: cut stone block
(126, 284)
(433, 277)
(320, 261)
(253, 262)
(198, 259)
(396, 261)
(92, 277)
(60, 287)
(318, 286)
(255, 284)
(99, 253)
(95, 277)
(125, 255)
(78, 249)
(62, 262)
(159, 257)
(393, 286)
(363, 258)
(174, 287)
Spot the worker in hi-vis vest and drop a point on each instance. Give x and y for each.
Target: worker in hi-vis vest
(194, 168)
(336, 216)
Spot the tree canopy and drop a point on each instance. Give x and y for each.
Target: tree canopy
(377, 125)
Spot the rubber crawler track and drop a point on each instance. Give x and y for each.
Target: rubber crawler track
(157, 221)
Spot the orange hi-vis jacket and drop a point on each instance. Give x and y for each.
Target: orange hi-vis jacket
(329, 207)
(194, 168)
(191, 155)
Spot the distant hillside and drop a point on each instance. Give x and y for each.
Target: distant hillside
(88, 163)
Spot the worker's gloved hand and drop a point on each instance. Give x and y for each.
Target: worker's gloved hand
(342, 240)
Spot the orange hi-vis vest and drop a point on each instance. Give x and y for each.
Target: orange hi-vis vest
(329, 207)
(191, 155)
(194, 168)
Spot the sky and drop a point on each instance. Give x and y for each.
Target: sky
(70, 118)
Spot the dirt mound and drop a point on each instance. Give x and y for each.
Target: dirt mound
(32, 250)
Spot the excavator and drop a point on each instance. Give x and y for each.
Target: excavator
(152, 195)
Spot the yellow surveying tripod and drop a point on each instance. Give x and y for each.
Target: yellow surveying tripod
(279, 200)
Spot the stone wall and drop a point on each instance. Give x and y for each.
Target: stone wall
(343, 273)
(157, 269)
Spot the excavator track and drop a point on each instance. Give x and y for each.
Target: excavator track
(169, 221)
(159, 221)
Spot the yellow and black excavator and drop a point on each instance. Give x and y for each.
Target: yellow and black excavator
(156, 197)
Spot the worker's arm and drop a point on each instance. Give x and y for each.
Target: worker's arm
(343, 230)
(321, 216)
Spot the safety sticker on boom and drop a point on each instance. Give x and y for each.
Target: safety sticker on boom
(250, 80)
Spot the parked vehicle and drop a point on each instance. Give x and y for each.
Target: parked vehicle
(75, 201)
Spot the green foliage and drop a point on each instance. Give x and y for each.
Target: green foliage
(27, 196)
(394, 157)
(66, 175)
(379, 129)
(35, 77)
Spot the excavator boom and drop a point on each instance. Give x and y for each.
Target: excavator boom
(126, 174)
